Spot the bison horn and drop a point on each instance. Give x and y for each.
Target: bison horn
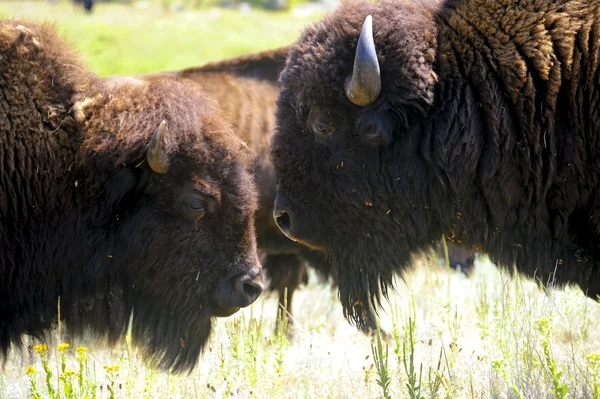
(364, 85)
(157, 159)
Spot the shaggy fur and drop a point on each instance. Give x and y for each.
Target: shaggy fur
(84, 218)
(246, 89)
(486, 130)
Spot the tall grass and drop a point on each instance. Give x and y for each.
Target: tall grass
(537, 345)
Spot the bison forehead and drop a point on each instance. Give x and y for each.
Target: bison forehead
(208, 187)
(121, 119)
(405, 40)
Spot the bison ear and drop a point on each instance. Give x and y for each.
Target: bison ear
(377, 127)
(156, 155)
(119, 186)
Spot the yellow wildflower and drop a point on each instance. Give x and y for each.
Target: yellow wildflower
(544, 326)
(594, 358)
(112, 369)
(30, 370)
(70, 373)
(63, 347)
(81, 350)
(41, 348)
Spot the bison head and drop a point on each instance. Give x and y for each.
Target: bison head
(173, 230)
(350, 151)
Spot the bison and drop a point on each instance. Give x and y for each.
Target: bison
(129, 199)
(87, 5)
(402, 121)
(246, 88)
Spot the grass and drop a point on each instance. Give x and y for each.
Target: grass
(488, 336)
(535, 344)
(121, 39)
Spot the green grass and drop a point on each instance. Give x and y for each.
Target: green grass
(489, 336)
(121, 39)
(535, 344)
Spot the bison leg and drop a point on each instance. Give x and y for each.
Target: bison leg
(285, 273)
(88, 5)
(461, 258)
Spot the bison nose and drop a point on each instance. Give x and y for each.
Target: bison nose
(237, 292)
(282, 216)
(247, 289)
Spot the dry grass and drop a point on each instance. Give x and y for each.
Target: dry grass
(488, 336)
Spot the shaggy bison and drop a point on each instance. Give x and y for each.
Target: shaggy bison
(246, 89)
(401, 121)
(86, 4)
(134, 198)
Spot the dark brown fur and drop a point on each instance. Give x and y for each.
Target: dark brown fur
(84, 218)
(486, 131)
(246, 89)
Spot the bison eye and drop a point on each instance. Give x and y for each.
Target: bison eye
(322, 129)
(198, 208)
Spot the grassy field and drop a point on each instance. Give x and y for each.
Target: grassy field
(487, 336)
(134, 39)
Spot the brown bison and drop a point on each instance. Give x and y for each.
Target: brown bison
(402, 120)
(87, 5)
(130, 199)
(246, 89)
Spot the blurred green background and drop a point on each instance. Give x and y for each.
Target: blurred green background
(156, 35)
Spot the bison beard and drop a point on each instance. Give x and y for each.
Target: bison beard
(484, 130)
(119, 198)
(173, 341)
(169, 340)
(361, 289)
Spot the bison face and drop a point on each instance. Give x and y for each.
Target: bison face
(188, 252)
(352, 181)
(177, 224)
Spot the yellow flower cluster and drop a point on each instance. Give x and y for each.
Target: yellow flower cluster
(544, 326)
(112, 369)
(81, 350)
(594, 358)
(63, 347)
(30, 370)
(41, 348)
(70, 373)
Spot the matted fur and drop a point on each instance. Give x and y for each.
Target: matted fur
(84, 218)
(485, 130)
(246, 89)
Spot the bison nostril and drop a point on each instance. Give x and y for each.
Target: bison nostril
(282, 215)
(247, 289)
(252, 290)
(284, 221)
(237, 292)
